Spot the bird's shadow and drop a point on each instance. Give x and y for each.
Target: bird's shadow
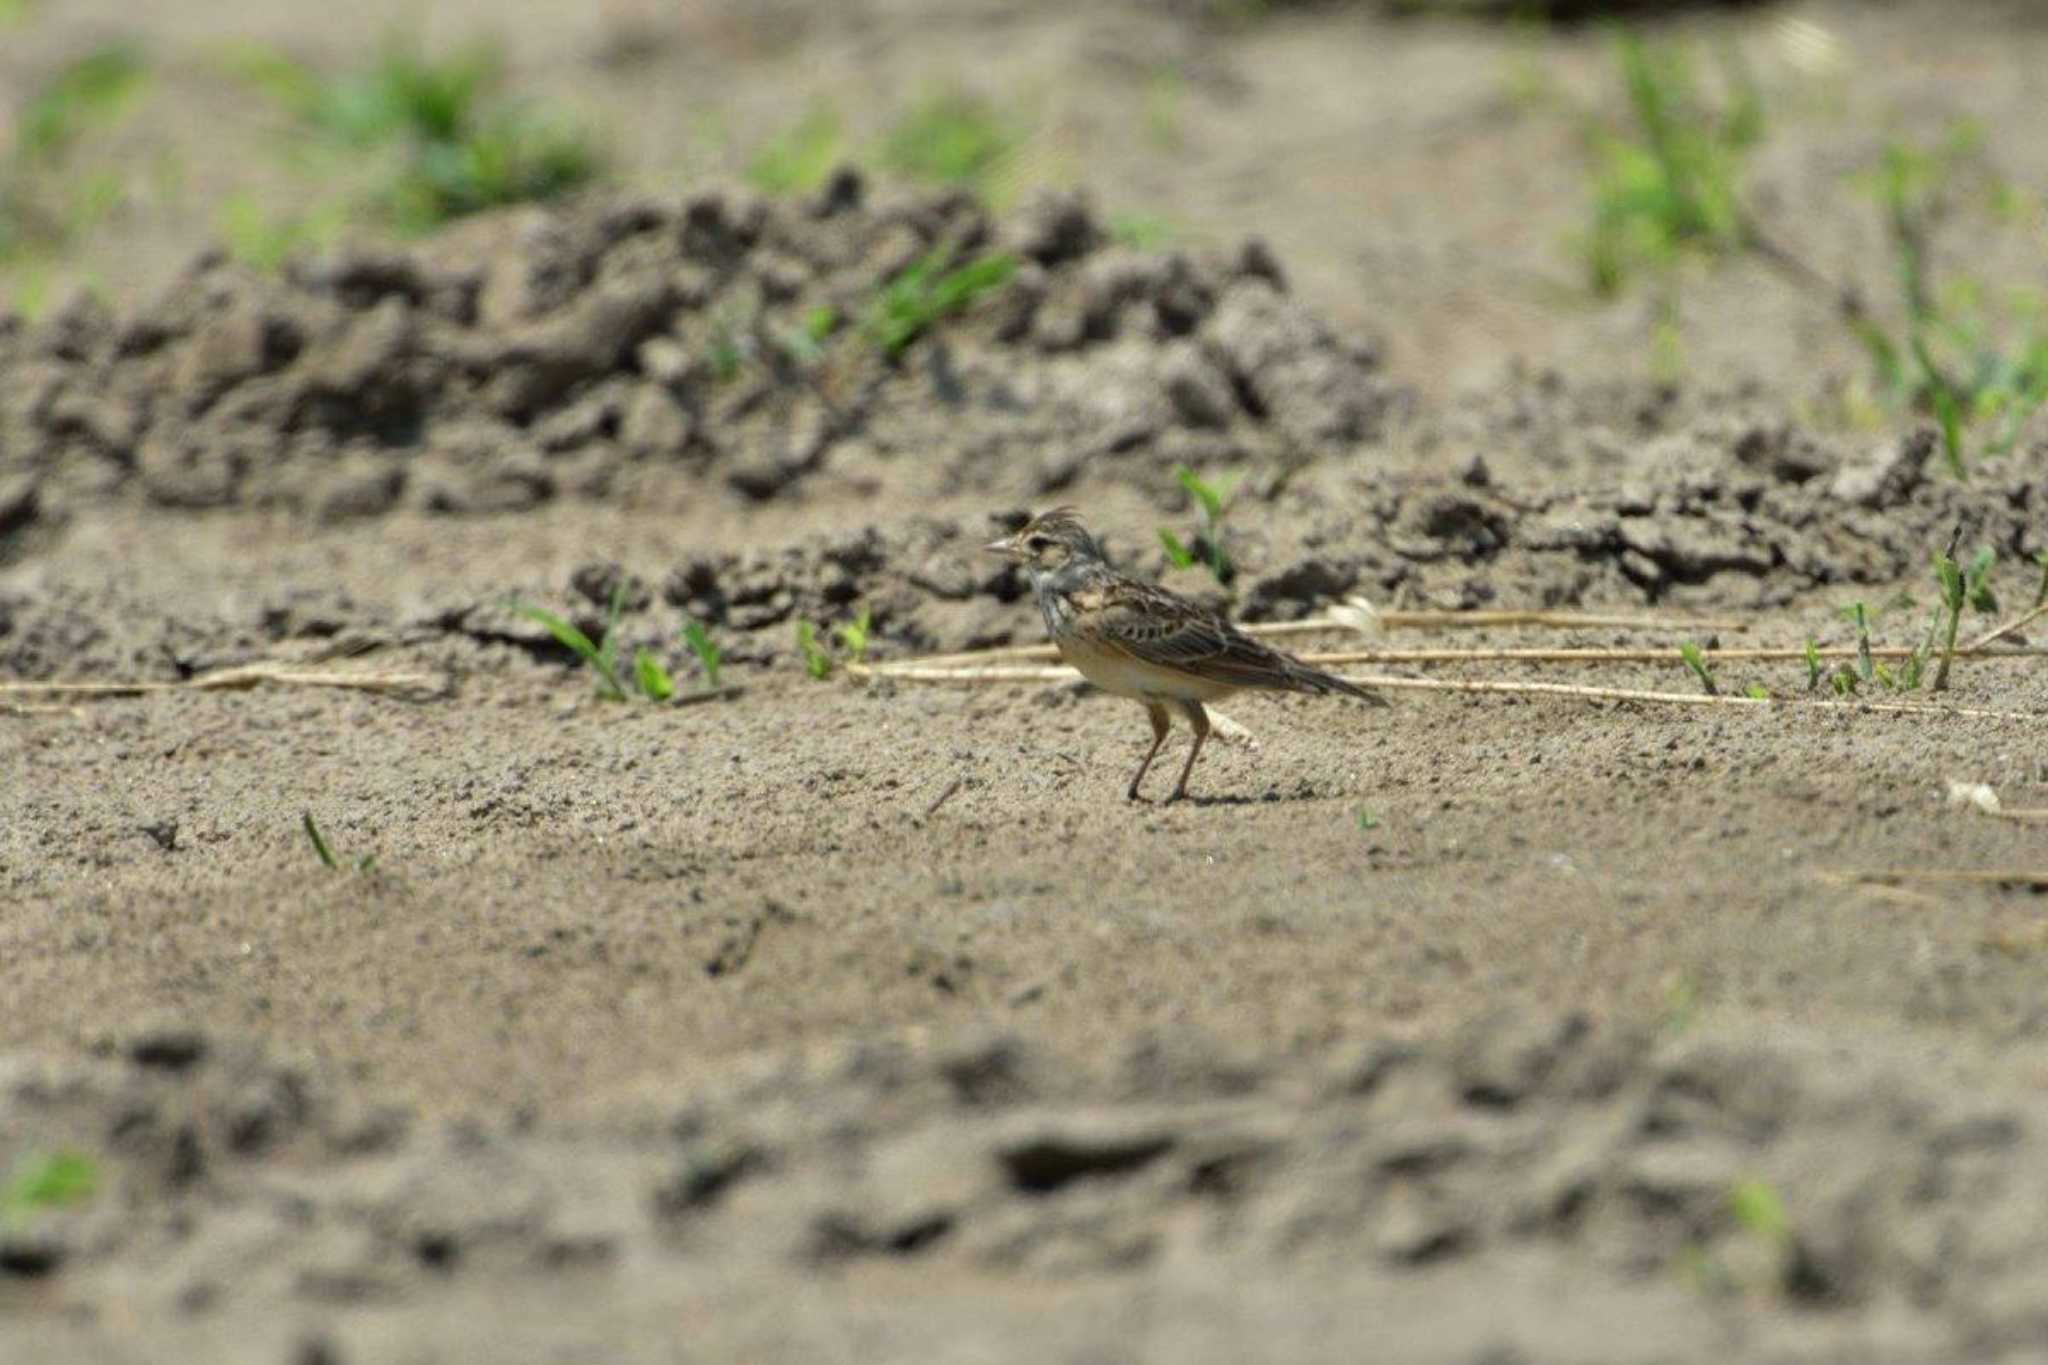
(1267, 798)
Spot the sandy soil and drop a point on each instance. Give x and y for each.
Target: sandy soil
(845, 1021)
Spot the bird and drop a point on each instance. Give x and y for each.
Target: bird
(1139, 640)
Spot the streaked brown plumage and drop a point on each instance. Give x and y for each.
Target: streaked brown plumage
(1140, 641)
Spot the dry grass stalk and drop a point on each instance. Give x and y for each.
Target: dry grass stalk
(235, 679)
(919, 672)
(2034, 879)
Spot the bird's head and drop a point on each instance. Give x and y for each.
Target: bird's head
(1048, 543)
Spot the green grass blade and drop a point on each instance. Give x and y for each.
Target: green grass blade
(580, 644)
(320, 848)
(655, 682)
(1210, 498)
(817, 662)
(708, 654)
(1696, 660)
(57, 1180)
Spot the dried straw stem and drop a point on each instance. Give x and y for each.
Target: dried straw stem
(244, 676)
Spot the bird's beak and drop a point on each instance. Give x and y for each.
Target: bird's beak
(1006, 547)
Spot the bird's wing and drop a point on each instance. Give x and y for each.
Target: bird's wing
(1157, 627)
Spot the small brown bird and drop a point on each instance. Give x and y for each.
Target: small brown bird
(1140, 641)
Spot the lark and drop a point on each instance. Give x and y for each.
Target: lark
(1141, 641)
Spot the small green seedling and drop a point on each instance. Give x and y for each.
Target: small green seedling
(1966, 363)
(854, 635)
(1961, 588)
(1915, 667)
(798, 159)
(926, 292)
(1814, 668)
(1859, 615)
(1211, 498)
(1668, 185)
(806, 344)
(2041, 593)
(952, 138)
(1844, 680)
(54, 1180)
(326, 854)
(1140, 231)
(1977, 582)
(1757, 692)
(44, 200)
(1759, 1210)
(320, 848)
(817, 661)
(726, 350)
(461, 146)
(820, 323)
(260, 237)
(603, 658)
(653, 676)
(708, 655)
(1367, 820)
(1697, 662)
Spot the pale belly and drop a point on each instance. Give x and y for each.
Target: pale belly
(1124, 676)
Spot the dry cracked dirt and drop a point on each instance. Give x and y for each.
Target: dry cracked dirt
(841, 1020)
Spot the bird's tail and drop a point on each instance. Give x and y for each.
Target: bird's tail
(1315, 680)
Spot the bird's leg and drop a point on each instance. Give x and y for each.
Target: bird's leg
(1161, 723)
(1198, 718)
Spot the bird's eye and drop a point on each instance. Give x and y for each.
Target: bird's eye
(1037, 543)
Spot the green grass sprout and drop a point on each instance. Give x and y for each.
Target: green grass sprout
(323, 852)
(1758, 1209)
(1211, 498)
(1967, 365)
(458, 144)
(320, 848)
(1667, 184)
(1977, 582)
(817, 660)
(1696, 660)
(1960, 588)
(52, 1180)
(92, 90)
(1141, 231)
(708, 654)
(855, 635)
(1814, 667)
(263, 239)
(45, 201)
(726, 350)
(602, 657)
(1859, 615)
(652, 676)
(801, 157)
(926, 292)
(805, 344)
(950, 138)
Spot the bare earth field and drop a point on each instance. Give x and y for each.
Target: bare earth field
(843, 1020)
